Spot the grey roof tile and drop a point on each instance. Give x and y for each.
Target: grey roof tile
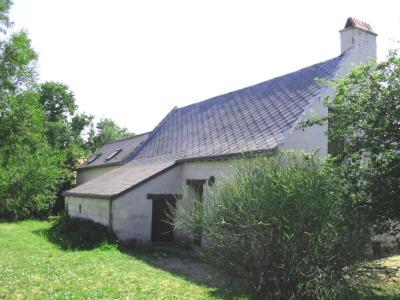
(114, 183)
(253, 118)
(127, 146)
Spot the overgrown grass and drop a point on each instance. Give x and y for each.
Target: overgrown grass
(34, 267)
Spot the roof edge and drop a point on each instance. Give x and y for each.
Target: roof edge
(115, 163)
(83, 195)
(114, 196)
(145, 180)
(247, 154)
(127, 138)
(273, 78)
(152, 133)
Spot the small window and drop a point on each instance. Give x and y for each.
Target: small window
(113, 154)
(80, 208)
(93, 158)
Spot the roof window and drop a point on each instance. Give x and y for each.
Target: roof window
(113, 154)
(93, 158)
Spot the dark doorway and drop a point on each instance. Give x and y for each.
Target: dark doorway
(162, 229)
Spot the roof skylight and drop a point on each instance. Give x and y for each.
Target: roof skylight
(113, 154)
(93, 158)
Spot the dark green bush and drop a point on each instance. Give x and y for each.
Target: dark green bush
(285, 226)
(79, 234)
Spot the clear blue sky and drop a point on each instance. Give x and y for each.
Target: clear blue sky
(134, 61)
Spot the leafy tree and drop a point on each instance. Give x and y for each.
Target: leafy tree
(65, 126)
(107, 130)
(64, 129)
(364, 136)
(41, 132)
(29, 168)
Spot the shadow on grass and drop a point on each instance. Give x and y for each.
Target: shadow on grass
(187, 264)
(74, 234)
(77, 235)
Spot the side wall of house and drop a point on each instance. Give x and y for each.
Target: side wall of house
(316, 137)
(96, 210)
(132, 212)
(220, 169)
(311, 138)
(85, 175)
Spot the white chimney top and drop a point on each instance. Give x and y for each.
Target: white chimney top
(359, 38)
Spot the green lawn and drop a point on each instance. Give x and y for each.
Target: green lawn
(32, 267)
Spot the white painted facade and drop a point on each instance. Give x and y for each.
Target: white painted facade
(96, 210)
(131, 213)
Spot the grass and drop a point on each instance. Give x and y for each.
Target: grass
(388, 288)
(31, 267)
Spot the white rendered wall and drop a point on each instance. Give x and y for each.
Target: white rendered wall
(96, 210)
(132, 211)
(85, 175)
(220, 169)
(315, 137)
(312, 138)
(361, 43)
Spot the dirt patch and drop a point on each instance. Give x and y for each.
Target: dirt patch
(185, 263)
(192, 270)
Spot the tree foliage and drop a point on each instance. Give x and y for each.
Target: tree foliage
(64, 131)
(364, 134)
(284, 225)
(29, 167)
(41, 131)
(106, 130)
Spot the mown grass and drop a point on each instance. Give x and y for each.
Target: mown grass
(34, 268)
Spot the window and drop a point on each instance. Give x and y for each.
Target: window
(80, 208)
(114, 153)
(93, 158)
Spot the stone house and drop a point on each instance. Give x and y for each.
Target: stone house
(127, 184)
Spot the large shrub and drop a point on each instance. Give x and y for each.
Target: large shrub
(79, 234)
(284, 225)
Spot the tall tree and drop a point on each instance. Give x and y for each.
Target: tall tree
(29, 167)
(64, 128)
(364, 130)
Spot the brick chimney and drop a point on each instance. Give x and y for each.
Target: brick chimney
(359, 38)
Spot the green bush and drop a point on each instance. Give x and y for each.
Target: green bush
(78, 234)
(285, 226)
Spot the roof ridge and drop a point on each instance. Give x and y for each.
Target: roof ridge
(271, 79)
(126, 138)
(140, 147)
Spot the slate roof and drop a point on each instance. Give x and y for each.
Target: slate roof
(127, 146)
(114, 183)
(255, 118)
